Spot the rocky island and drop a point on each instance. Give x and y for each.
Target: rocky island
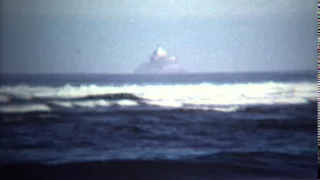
(160, 63)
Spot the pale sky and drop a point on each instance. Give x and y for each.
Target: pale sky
(116, 36)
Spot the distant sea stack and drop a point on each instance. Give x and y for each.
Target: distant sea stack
(160, 63)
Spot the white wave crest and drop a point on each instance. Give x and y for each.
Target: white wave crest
(205, 95)
(24, 108)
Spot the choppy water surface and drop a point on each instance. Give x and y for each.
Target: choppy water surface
(159, 127)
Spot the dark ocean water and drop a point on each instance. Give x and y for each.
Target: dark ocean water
(206, 126)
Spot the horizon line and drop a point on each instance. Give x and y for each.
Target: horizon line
(151, 74)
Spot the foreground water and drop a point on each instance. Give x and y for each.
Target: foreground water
(208, 126)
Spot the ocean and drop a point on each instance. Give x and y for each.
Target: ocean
(195, 126)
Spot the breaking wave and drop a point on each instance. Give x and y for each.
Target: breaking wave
(204, 96)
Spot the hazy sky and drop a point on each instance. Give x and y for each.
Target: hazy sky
(115, 36)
